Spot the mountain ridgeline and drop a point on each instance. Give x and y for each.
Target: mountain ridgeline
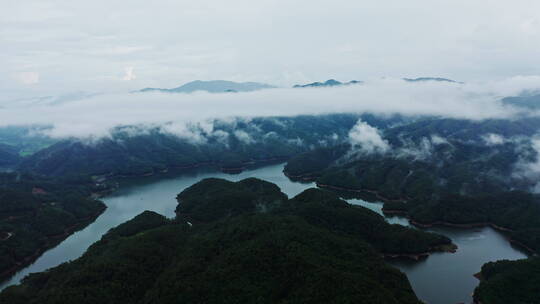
(213, 86)
(446, 172)
(328, 83)
(423, 79)
(239, 243)
(228, 146)
(528, 101)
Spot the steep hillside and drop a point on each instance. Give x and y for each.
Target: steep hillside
(213, 86)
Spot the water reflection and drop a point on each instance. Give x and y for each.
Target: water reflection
(136, 195)
(442, 278)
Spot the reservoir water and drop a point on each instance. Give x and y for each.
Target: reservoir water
(442, 278)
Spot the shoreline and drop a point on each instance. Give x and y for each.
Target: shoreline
(312, 177)
(51, 242)
(303, 177)
(376, 193)
(403, 213)
(229, 170)
(449, 248)
(500, 229)
(54, 240)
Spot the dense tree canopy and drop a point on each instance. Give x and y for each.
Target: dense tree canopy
(227, 146)
(509, 282)
(255, 246)
(37, 213)
(440, 171)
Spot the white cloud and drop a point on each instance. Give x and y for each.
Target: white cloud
(493, 139)
(129, 74)
(367, 139)
(97, 115)
(422, 151)
(190, 132)
(172, 42)
(27, 78)
(243, 137)
(529, 169)
(438, 140)
(221, 136)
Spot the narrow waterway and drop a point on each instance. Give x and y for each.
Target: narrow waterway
(443, 278)
(447, 278)
(136, 195)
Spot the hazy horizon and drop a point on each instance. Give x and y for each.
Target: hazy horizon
(52, 48)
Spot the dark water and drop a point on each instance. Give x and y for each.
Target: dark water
(443, 278)
(448, 277)
(156, 194)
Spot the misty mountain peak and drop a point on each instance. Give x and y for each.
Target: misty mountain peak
(328, 83)
(418, 79)
(213, 86)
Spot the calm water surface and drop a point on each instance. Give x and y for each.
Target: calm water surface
(447, 278)
(443, 278)
(156, 194)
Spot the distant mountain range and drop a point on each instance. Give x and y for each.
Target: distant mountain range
(429, 79)
(333, 82)
(213, 86)
(328, 83)
(221, 86)
(530, 101)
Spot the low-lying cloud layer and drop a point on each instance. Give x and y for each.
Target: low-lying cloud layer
(96, 116)
(367, 139)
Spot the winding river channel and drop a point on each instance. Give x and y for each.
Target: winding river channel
(442, 278)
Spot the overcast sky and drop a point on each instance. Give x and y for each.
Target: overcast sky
(52, 47)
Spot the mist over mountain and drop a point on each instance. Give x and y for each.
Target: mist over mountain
(213, 86)
(319, 152)
(529, 101)
(328, 83)
(429, 79)
(234, 144)
(97, 116)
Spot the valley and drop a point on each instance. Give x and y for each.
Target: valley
(430, 277)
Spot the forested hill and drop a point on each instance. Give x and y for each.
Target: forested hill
(328, 83)
(442, 172)
(212, 199)
(244, 242)
(213, 86)
(38, 213)
(504, 282)
(228, 146)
